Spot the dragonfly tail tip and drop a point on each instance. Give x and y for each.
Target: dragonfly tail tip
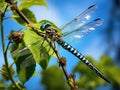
(97, 19)
(92, 6)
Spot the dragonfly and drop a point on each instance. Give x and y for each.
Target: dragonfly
(75, 29)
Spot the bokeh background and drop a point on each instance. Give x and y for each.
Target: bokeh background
(105, 40)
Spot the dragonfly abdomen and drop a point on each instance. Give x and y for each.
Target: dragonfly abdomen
(75, 52)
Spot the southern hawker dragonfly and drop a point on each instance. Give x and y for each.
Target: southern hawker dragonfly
(77, 28)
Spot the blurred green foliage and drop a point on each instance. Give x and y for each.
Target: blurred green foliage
(53, 79)
(89, 80)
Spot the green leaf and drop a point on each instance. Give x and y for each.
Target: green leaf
(44, 58)
(3, 5)
(2, 86)
(24, 62)
(29, 14)
(46, 45)
(28, 4)
(39, 52)
(53, 25)
(53, 79)
(32, 50)
(2, 2)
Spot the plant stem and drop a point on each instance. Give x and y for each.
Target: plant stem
(74, 87)
(59, 58)
(5, 50)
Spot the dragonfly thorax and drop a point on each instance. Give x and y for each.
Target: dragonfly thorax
(52, 33)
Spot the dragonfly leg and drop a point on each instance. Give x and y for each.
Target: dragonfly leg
(55, 47)
(42, 43)
(50, 47)
(41, 46)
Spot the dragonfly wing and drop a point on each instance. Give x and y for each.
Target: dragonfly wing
(38, 46)
(82, 31)
(24, 50)
(79, 20)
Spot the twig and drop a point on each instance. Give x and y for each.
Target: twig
(62, 62)
(23, 16)
(14, 7)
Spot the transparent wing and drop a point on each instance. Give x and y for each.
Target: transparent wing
(82, 31)
(79, 20)
(23, 55)
(24, 50)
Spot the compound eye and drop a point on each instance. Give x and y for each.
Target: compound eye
(44, 25)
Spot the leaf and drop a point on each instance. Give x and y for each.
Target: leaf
(3, 5)
(29, 14)
(52, 24)
(44, 58)
(2, 2)
(39, 52)
(53, 79)
(24, 62)
(31, 51)
(28, 4)
(46, 45)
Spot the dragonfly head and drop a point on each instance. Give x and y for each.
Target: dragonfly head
(44, 25)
